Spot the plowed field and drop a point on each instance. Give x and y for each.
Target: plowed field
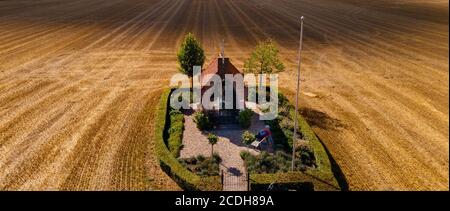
(80, 79)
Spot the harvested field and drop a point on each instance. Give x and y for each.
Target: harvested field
(80, 79)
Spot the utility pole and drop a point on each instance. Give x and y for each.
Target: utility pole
(294, 139)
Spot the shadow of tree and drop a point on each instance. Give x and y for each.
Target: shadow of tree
(233, 135)
(321, 120)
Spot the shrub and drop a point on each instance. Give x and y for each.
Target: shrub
(306, 155)
(212, 139)
(203, 166)
(244, 155)
(200, 158)
(248, 137)
(287, 124)
(268, 163)
(202, 120)
(245, 118)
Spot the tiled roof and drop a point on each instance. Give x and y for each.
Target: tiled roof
(219, 66)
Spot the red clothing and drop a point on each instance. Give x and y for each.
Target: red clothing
(267, 131)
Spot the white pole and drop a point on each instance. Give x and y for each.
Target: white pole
(294, 139)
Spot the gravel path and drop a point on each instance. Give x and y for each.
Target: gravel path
(228, 147)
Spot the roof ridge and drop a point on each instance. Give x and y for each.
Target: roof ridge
(211, 62)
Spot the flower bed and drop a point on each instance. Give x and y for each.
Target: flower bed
(203, 166)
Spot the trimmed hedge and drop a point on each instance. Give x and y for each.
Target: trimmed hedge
(301, 181)
(175, 132)
(169, 164)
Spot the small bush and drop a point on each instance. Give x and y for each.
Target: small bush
(248, 137)
(287, 124)
(306, 155)
(216, 158)
(202, 120)
(244, 154)
(245, 118)
(267, 163)
(201, 158)
(212, 139)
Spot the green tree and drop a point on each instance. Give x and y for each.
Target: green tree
(265, 59)
(189, 55)
(212, 140)
(245, 118)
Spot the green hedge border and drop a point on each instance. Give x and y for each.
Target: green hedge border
(169, 164)
(321, 177)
